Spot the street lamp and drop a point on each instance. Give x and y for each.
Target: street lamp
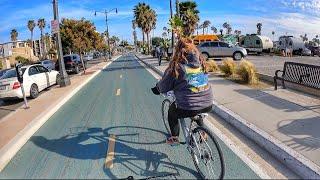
(106, 14)
(64, 78)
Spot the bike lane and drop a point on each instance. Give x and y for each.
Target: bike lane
(112, 128)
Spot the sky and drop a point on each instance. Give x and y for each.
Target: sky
(291, 17)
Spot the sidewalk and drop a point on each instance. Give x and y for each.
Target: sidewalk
(19, 126)
(292, 119)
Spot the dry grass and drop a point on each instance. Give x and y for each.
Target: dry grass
(211, 66)
(228, 67)
(247, 72)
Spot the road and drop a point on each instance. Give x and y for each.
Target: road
(10, 106)
(114, 110)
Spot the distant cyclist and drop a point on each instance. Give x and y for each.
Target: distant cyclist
(186, 76)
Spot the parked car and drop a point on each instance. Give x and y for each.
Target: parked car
(315, 50)
(72, 63)
(35, 79)
(88, 57)
(221, 49)
(49, 64)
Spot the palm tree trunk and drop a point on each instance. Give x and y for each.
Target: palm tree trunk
(148, 44)
(31, 45)
(41, 44)
(202, 31)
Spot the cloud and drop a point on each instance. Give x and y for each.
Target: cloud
(310, 6)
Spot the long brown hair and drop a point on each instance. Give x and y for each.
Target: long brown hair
(184, 46)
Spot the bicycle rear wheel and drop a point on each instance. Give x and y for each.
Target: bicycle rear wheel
(208, 157)
(164, 110)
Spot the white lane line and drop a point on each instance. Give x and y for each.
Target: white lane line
(120, 76)
(118, 92)
(110, 153)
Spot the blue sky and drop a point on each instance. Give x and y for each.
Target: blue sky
(294, 17)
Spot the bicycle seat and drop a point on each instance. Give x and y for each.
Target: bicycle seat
(199, 116)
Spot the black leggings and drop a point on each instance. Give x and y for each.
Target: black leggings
(174, 114)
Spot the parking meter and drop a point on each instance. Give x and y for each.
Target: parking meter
(19, 73)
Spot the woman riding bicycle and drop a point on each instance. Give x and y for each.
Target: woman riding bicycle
(186, 76)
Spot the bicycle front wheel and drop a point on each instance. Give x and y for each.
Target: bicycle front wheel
(164, 110)
(207, 155)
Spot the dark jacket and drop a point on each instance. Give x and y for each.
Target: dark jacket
(191, 89)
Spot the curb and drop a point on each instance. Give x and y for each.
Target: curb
(9, 150)
(292, 159)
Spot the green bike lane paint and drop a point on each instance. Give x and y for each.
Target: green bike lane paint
(117, 103)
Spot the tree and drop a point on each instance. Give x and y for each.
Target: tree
(206, 25)
(227, 26)
(156, 41)
(14, 35)
(273, 33)
(189, 16)
(42, 25)
(214, 30)
(134, 33)
(221, 32)
(146, 20)
(304, 38)
(237, 32)
(31, 25)
(80, 36)
(259, 27)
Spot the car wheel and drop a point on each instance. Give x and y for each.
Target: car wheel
(77, 70)
(205, 56)
(34, 91)
(237, 56)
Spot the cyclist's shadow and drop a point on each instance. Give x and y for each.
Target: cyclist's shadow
(92, 144)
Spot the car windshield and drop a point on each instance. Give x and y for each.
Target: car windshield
(12, 73)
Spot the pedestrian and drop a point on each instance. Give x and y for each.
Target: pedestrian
(160, 55)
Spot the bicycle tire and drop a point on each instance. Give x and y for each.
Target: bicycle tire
(164, 112)
(216, 149)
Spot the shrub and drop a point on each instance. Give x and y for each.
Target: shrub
(228, 67)
(247, 72)
(22, 60)
(211, 66)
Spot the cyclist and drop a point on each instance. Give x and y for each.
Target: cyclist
(186, 76)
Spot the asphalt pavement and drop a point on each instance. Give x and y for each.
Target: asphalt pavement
(112, 128)
(6, 107)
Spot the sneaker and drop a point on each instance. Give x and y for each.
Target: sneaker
(173, 141)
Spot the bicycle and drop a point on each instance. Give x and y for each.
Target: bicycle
(206, 161)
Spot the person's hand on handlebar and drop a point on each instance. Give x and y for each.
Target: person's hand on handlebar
(155, 90)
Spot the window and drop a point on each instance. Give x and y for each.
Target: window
(33, 70)
(214, 44)
(222, 44)
(42, 69)
(258, 42)
(205, 44)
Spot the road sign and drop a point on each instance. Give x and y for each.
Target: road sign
(54, 26)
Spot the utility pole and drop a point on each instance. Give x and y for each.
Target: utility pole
(64, 78)
(108, 38)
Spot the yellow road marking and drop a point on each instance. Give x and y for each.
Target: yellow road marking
(110, 154)
(118, 92)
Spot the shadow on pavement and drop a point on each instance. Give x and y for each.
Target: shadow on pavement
(304, 133)
(92, 144)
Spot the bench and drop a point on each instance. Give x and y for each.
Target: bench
(303, 74)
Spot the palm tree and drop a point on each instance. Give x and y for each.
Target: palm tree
(206, 25)
(259, 27)
(14, 35)
(138, 11)
(221, 32)
(214, 30)
(189, 16)
(272, 35)
(31, 26)
(146, 20)
(42, 25)
(227, 26)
